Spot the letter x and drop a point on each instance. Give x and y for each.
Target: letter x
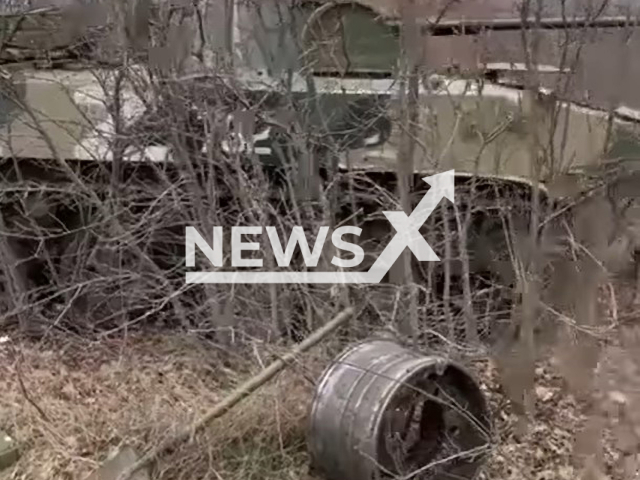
(408, 228)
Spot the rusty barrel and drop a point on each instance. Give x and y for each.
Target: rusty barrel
(383, 411)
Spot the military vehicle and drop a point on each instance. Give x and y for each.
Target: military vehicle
(95, 111)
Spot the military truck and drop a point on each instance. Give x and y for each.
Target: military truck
(94, 112)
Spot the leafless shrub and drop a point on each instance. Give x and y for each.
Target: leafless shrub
(96, 248)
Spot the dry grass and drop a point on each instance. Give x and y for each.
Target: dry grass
(95, 397)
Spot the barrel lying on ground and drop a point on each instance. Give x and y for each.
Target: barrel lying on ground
(383, 411)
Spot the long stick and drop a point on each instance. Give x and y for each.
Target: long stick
(241, 392)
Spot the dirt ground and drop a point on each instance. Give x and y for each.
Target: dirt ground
(70, 405)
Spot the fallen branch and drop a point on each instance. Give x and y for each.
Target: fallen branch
(240, 392)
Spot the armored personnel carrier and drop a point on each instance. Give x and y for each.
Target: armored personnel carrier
(100, 123)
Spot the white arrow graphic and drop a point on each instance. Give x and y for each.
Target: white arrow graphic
(407, 236)
(407, 227)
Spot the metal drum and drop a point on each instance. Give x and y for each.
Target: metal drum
(383, 411)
